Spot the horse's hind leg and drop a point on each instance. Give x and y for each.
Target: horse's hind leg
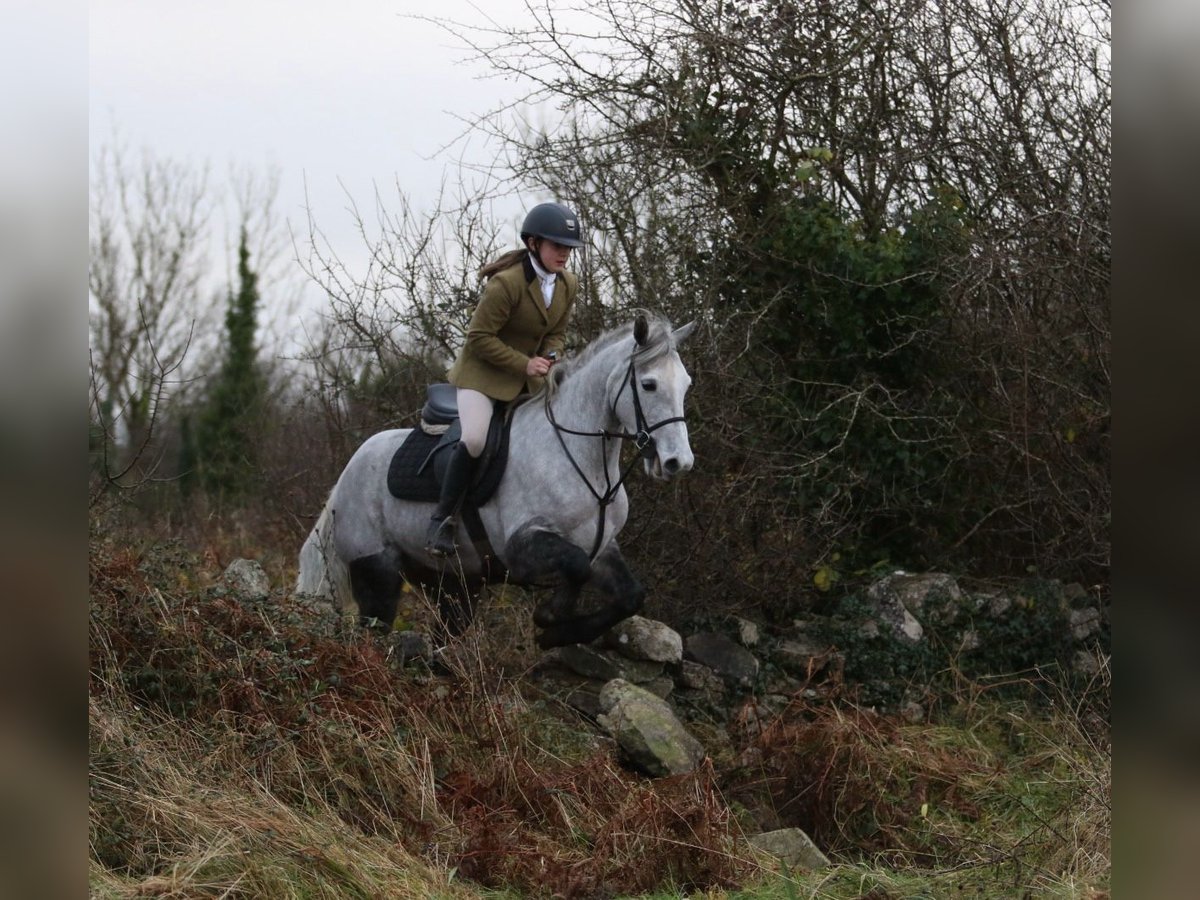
(375, 582)
(613, 578)
(534, 554)
(456, 606)
(457, 594)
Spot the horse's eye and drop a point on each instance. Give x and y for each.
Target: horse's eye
(649, 384)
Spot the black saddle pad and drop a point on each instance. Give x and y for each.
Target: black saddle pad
(415, 472)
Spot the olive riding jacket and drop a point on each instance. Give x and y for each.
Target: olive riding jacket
(510, 325)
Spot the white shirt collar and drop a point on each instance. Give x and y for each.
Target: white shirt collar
(542, 274)
(546, 279)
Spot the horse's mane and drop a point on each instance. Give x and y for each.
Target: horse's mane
(658, 343)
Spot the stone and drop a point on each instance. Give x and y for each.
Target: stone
(723, 655)
(869, 629)
(585, 661)
(1076, 595)
(995, 605)
(1084, 623)
(697, 677)
(246, 580)
(662, 686)
(1089, 663)
(406, 646)
(932, 595)
(593, 663)
(792, 847)
(774, 705)
(909, 629)
(647, 730)
(781, 683)
(749, 633)
(968, 640)
(801, 656)
(893, 614)
(639, 638)
(902, 597)
(580, 693)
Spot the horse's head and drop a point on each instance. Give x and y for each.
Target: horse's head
(650, 401)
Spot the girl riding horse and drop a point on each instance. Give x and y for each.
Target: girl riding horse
(515, 333)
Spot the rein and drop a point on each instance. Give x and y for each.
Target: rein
(643, 440)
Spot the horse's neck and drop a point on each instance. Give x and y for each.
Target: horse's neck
(581, 403)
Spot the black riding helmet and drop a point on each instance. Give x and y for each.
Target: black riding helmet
(553, 221)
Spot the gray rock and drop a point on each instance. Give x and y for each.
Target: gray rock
(724, 656)
(639, 638)
(1089, 663)
(968, 640)
(911, 629)
(792, 847)
(933, 596)
(781, 683)
(1084, 623)
(647, 730)
(993, 604)
(893, 614)
(662, 686)
(602, 666)
(246, 580)
(580, 693)
(773, 705)
(698, 677)
(802, 656)
(407, 646)
(1076, 595)
(585, 661)
(749, 633)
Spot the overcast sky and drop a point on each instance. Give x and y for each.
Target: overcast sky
(324, 90)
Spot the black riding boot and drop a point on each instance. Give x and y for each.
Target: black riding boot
(440, 539)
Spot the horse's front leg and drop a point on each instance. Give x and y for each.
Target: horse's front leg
(534, 555)
(625, 595)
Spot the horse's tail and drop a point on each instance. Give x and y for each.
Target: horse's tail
(322, 572)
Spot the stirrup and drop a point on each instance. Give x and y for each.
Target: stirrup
(439, 540)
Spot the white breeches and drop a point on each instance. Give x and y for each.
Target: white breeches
(475, 414)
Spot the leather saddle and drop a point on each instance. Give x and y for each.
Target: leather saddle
(417, 466)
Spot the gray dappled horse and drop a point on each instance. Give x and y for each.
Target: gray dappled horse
(555, 515)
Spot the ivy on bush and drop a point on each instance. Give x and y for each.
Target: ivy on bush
(1033, 634)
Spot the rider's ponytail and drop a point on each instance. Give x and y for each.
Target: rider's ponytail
(511, 258)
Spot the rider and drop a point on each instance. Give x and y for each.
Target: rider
(520, 320)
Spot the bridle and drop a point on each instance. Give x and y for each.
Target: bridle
(643, 440)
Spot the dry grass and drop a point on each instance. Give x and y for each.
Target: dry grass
(267, 750)
(999, 797)
(172, 819)
(224, 731)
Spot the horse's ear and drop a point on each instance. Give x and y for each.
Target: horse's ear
(641, 330)
(683, 332)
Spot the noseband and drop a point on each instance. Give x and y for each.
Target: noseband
(643, 440)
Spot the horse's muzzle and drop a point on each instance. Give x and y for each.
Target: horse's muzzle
(671, 467)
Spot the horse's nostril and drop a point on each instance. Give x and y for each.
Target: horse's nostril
(671, 466)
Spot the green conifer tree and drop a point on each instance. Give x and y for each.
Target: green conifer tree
(224, 434)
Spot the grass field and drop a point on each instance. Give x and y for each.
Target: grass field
(271, 750)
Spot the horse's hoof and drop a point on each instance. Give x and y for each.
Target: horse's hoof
(543, 616)
(551, 638)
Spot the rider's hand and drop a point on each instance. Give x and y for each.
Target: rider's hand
(538, 366)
